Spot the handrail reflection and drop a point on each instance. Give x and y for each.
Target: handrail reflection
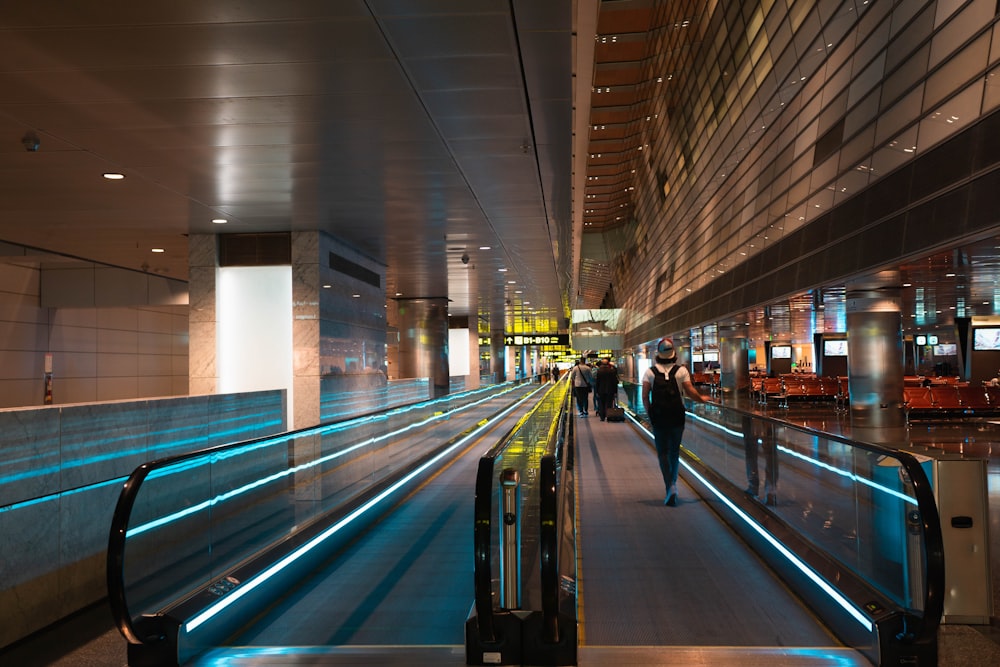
(919, 626)
(120, 529)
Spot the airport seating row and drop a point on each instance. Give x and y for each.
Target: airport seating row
(798, 387)
(950, 400)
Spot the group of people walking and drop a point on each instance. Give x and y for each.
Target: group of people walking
(601, 380)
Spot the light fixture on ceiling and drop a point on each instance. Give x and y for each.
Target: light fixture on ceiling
(219, 221)
(113, 176)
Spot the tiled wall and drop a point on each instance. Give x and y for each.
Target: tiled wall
(98, 354)
(778, 114)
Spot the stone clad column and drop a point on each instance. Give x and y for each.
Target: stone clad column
(733, 362)
(306, 328)
(875, 351)
(498, 351)
(202, 265)
(423, 341)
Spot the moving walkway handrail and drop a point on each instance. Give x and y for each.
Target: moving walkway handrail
(483, 515)
(928, 621)
(129, 494)
(934, 589)
(549, 524)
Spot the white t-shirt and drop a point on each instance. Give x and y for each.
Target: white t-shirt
(681, 376)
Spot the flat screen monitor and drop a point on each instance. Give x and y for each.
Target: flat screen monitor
(946, 350)
(696, 356)
(711, 356)
(835, 348)
(781, 352)
(986, 339)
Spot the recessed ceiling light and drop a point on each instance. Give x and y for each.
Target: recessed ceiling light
(485, 247)
(113, 176)
(219, 221)
(157, 250)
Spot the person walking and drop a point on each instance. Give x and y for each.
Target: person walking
(582, 379)
(606, 387)
(663, 385)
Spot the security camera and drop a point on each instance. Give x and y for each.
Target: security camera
(31, 142)
(465, 258)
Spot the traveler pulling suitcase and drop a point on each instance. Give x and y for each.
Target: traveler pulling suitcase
(615, 414)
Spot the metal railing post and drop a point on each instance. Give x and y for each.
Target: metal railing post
(510, 548)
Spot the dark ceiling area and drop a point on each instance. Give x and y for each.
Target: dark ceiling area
(479, 151)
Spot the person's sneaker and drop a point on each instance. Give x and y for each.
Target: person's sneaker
(771, 500)
(750, 492)
(671, 500)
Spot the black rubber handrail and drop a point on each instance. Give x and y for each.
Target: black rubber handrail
(549, 528)
(483, 516)
(115, 573)
(930, 522)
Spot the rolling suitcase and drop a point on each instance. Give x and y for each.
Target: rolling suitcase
(615, 414)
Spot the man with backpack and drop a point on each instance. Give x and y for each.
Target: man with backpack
(663, 386)
(582, 379)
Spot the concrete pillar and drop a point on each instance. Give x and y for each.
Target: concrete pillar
(423, 341)
(875, 351)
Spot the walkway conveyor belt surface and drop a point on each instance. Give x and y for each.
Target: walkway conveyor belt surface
(658, 576)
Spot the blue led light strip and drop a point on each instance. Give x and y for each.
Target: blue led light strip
(246, 488)
(833, 593)
(281, 564)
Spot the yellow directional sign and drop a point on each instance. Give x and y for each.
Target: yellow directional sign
(536, 339)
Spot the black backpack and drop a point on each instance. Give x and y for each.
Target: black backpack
(666, 405)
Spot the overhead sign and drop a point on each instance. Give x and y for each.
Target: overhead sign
(536, 339)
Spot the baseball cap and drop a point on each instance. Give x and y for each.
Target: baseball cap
(665, 348)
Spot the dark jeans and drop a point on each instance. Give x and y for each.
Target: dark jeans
(606, 401)
(760, 434)
(582, 398)
(668, 452)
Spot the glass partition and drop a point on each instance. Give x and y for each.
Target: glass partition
(852, 501)
(184, 522)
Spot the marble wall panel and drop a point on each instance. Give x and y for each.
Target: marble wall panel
(81, 547)
(177, 426)
(29, 455)
(29, 585)
(101, 442)
(235, 417)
